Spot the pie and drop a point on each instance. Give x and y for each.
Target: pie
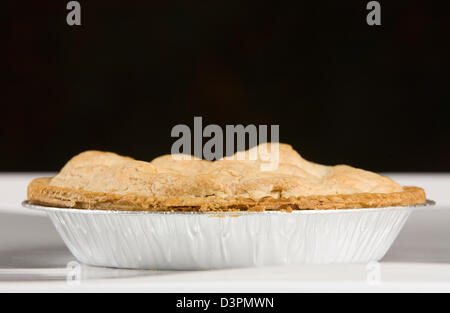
(107, 181)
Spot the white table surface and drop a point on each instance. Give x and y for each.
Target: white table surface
(34, 258)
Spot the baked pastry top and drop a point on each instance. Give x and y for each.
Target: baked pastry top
(245, 181)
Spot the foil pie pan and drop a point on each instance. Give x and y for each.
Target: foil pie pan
(193, 241)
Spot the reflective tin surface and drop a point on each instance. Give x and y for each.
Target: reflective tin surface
(193, 241)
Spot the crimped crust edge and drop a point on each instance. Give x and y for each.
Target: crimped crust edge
(40, 192)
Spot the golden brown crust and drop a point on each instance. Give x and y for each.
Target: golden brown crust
(40, 192)
(281, 174)
(267, 177)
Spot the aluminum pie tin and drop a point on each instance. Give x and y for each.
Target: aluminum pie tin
(201, 241)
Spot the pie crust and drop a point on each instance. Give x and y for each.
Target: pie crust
(107, 181)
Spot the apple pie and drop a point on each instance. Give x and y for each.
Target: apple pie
(106, 181)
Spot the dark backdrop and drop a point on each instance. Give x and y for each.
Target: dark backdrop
(341, 91)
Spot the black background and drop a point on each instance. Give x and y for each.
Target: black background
(341, 91)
